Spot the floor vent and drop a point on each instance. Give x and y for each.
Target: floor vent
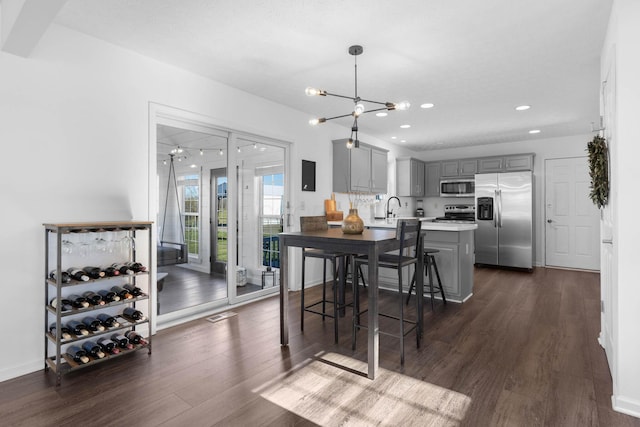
(221, 316)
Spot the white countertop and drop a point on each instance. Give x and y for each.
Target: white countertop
(426, 224)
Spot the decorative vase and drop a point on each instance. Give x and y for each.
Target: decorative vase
(352, 224)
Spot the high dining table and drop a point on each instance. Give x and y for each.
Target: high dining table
(371, 242)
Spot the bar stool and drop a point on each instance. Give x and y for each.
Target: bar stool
(430, 266)
(408, 232)
(319, 223)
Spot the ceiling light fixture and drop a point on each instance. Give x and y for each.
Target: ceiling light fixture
(427, 105)
(405, 126)
(359, 107)
(534, 131)
(523, 107)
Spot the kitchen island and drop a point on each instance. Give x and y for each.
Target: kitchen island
(455, 259)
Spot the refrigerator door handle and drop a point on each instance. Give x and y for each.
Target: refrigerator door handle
(499, 210)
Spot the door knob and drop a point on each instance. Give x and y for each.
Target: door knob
(549, 221)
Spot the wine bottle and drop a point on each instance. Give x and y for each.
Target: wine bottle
(78, 354)
(78, 274)
(108, 321)
(133, 290)
(108, 346)
(77, 301)
(93, 298)
(135, 266)
(65, 306)
(94, 272)
(111, 271)
(65, 333)
(93, 324)
(93, 349)
(77, 327)
(122, 293)
(108, 296)
(121, 341)
(64, 276)
(122, 268)
(135, 337)
(133, 314)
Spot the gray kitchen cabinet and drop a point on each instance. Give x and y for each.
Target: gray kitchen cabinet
(456, 168)
(490, 164)
(359, 170)
(468, 167)
(454, 260)
(409, 177)
(522, 162)
(511, 163)
(432, 179)
(449, 168)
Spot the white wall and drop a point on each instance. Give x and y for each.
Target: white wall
(623, 41)
(550, 148)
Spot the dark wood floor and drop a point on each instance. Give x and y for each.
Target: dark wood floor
(183, 287)
(523, 350)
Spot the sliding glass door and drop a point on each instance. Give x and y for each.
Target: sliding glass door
(261, 182)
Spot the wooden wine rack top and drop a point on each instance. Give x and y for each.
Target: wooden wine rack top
(97, 226)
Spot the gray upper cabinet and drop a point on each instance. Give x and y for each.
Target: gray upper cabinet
(491, 164)
(516, 162)
(521, 162)
(449, 168)
(468, 167)
(409, 177)
(456, 168)
(432, 179)
(361, 170)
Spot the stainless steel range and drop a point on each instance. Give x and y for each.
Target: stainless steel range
(458, 214)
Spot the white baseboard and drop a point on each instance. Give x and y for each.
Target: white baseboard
(626, 405)
(22, 369)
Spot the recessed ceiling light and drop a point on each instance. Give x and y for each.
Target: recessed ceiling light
(381, 114)
(427, 105)
(523, 107)
(534, 131)
(403, 140)
(394, 137)
(405, 126)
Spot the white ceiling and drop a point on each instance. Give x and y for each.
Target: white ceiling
(475, 60)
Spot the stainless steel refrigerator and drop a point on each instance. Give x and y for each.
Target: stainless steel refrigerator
(504, 214)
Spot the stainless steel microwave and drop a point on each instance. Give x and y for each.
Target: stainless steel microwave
(458, 187)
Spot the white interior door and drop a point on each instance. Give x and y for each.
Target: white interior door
(572, 220)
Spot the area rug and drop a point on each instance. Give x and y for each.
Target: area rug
(327, 391)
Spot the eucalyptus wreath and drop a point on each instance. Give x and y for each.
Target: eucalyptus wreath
(598, 170)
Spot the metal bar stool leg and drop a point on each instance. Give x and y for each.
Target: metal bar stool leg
(435, 267)
(428, 265)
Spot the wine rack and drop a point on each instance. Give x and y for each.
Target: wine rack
(98, 243)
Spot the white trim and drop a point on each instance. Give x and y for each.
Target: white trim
(626, 405)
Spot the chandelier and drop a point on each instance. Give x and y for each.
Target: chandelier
(359, 107)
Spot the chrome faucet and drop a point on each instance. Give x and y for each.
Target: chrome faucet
(388, 212)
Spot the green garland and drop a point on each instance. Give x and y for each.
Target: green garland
(599, 171)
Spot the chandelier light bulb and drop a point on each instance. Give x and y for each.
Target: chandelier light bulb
(201, 152)
(314, 122)
(312, 91)
(239, 150)
(404, 105)
(179, 149)
(359, 109)
(350, 143)
(221, 152)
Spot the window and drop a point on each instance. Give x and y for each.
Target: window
(190, 186)
(271, 218)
